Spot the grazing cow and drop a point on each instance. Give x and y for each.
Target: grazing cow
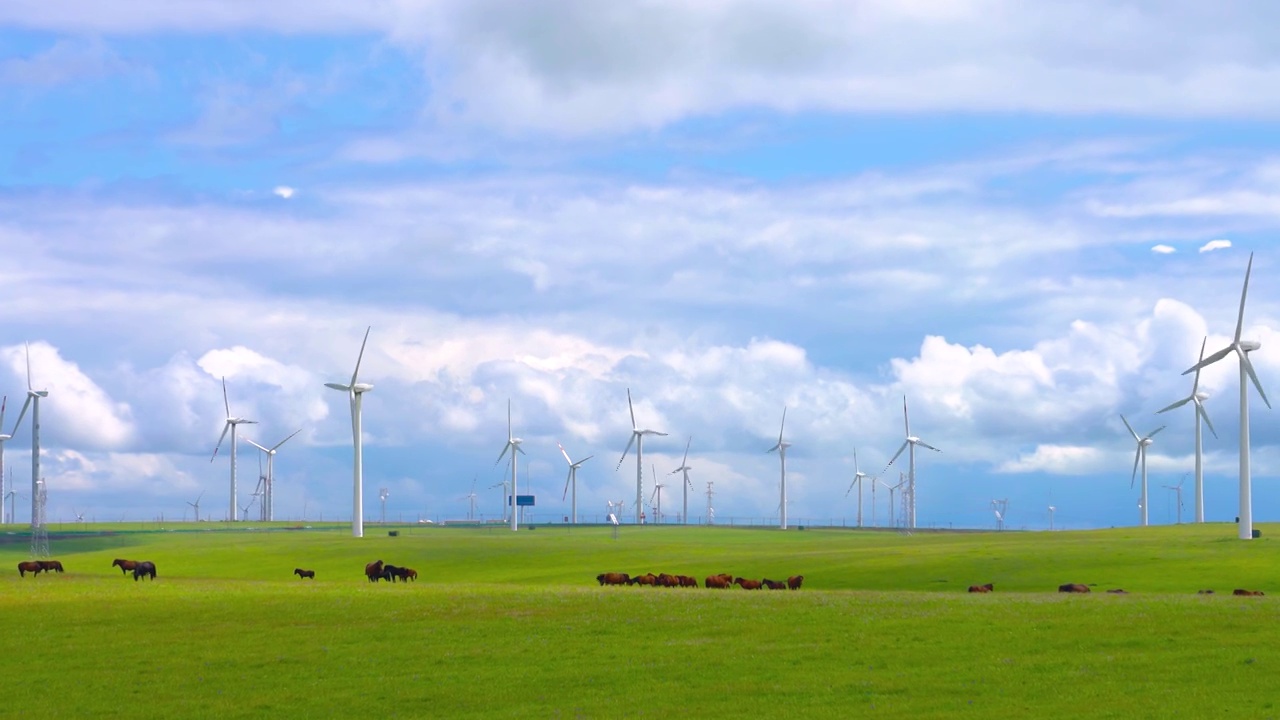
(746, 584)
(373, 571)
(126, 566)
(30, 566)
(613, 579)
(717, 581)
(646, 579)
(1204, 592)
(982, 588)
(793, 582)
(1073, 588)
(774, 584)
(308, 574)
(50, 565)
(144, 568)
(1118, 591)
(1250, 593)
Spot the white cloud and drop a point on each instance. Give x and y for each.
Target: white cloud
(1163, 249)
(1215, 245)
(283, 191)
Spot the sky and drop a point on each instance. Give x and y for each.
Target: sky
(1021, 218)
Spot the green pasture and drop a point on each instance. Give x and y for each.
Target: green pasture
(505, 624)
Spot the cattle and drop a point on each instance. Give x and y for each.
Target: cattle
(646, 579)
(717, 581)
(144, 568)
(373, 571)
(613, 579)
(774, 584)
(1073, 588)
(30, 566)
(1249, 593)
(686, 581)
(1204, 592)
(308, 574)
(126, 566)
(51, 565)
(793, 582)
(982, 588)
(746, 584)
(1118, 591)
(665, 580)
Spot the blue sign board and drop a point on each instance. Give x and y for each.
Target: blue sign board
(522, 501)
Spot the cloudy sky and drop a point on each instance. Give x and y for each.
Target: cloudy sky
(1022, 218)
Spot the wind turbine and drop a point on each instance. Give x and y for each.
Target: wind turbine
(269, 490)
(3, 439)
(513, 444)
(196, 505)
(230, 424)
(383, 494)
(355, 392)
(33, 401)
(1178, 489)
(711, 511)
(1000, 507)
(857, 480)
(471, 496)
(502, 484)
(1197, 398)
(1051, 511)
(911, 442)
(892, 489)
(1143, 444)
(1242, 348)
(637, 438)
(657, 493)
(688, 484)
(781, 447)
(572, 479)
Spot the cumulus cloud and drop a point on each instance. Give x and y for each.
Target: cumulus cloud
(1163, 249)
(283, 191)
(1215, 245)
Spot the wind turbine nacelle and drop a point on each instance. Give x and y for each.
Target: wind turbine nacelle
(1249, 345)
(1202, 396)
(1146, 441)
(362, 387)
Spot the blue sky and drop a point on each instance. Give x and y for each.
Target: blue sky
(999, 210)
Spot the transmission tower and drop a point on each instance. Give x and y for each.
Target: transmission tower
(711, 511)
(39, 530)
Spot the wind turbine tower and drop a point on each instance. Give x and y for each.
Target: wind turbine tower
(1051, 511)
(3, 439)
(688, 485)
(33, 402)
(1178, 489)
(383, 494)
(196, 505)
(269, 490)
(1141, 456)
(355, 393)
(711, 511)
(1197, 398)
(910, 445)
(1241, 348)
(513, 445)
(637, 438)
(39, 526)
(857, 480)
(572, 479)
(781, 448)
(230, 424)
(657, 495)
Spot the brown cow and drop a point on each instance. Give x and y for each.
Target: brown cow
(1250, 593)
(126, 566)
(30, 566)
(982, 588)
(793, 582)
(746, 584)
(717, 581)
(646, 579)
(373, 571)
(1073, 588)
(686, 581)
(665, 580)
(310, 574)
(613, 579)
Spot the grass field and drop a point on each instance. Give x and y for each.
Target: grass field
(508, 624)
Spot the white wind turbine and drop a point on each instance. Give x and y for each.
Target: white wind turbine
(502, 484)
(781, 448)
(857, 480)
(1197, 398)
(1178, 489)
(688, 484)
(196, 505)
(657, 493)
(892, 489)
(513, 445)
(1141, 456)
(1241, 348)
(269, 492)
(355, 392)
(572, 479)
(471, 496)
(3, 439)
(1052, 509)
(637, 438)
(230, 424)
(33, 401)
(911, 442)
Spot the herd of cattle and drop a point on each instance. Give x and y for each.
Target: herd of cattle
(376, 571)
(1082, 588)
(722, 581)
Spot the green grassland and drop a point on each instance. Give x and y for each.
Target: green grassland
(505, 624)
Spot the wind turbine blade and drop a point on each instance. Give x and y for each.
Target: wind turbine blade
(901, 447)
(1195, 385)
(1131, 432)
(338, 386)
(502, 454)
(579, 463)
(295, 432)
(1136, 456)
(1243, 294)
(626, 450)
(1180, 403)
(1205, 416)
(28, 346)
(360, 357)
(1248, 367)
(906, 422)
(3, 404)
(1209, 360)
(784, 424)
(567, 478)
(632, 409)
(225, 403)
(856, 471)
(922, 443)
(1153, 432)
(223, 436)
(21, 415)
(256, 445)
(565, 454)
(682, 462)
(520, 450)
